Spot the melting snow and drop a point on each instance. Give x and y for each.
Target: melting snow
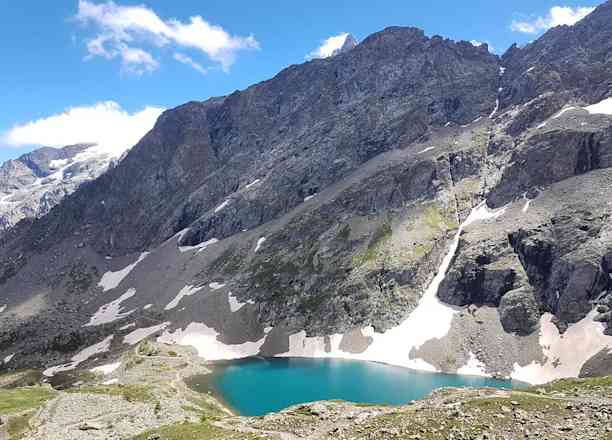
(147, 307)
(502, 70)
(110, 280)
(139, 334)
(81, 356)
(222, 205)
(603, 107)
(106, 369)
(564, 354)
(309, 197)
(204, 340)
(216, 286)
(473, 367)
(234, 304)
(526, 206)
(495, 109)
(9, 358)
(3, 308)
(112, 311)
(57, 163)
(110, 381)
(254, 182)
(200, 247)
(130, 325)
(426, 150)
(185, 291)
(565, 110)
(259, 243)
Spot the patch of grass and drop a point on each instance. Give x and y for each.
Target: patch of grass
(131, 393)
(17, 426)
(376, 244)
(569, 385)
(22, 399)
(146, 348)
(172, 353)
(526, 402)
(436, 221)
(420, 250)
(18, 379)
(195, 431)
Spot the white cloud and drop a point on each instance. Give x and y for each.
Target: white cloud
(182, 58)
(104, 123)
(122, 28)
(557, 16)
(328, 46)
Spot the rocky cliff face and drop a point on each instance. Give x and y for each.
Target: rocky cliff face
(308, 214)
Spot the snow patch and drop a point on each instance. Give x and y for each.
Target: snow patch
(185, 291)
(57, 163)
(426, 150)
(8, 358)
(253, 183)
(200, 247)
(216, 286)
(234, 304)
(130, 325)
(222, 205)
(309, 197)
(601, 108)
(495, 109)
(3, 308)
(147, 307)
(110, 381)
(110, 280)
(473, 367)
(81, 356)
(564, 354)
(204, 340)
(562, 112)
(259, 243)
(112, 311)
(106, 369)
(139, 334)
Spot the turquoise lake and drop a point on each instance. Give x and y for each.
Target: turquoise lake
(257, 386)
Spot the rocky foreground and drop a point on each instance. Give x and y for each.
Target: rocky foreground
(143, 396)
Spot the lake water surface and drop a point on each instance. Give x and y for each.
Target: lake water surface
(257, 386)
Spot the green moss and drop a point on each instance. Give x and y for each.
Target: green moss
(376, 244)
(438, 222)
(22, 399)
(195, 431)
(172, 353)
(131, 393)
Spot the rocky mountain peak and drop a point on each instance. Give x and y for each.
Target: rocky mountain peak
(349, 43)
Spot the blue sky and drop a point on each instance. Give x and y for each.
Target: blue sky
(130, 59)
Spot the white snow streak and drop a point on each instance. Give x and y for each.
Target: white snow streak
(81, 356)
(139, 334)
(3, 308)
(8, 358)
(200, 247)
(234, 304)
(495, 109)
(426, 150)
(222, 205)
(216, 286)
(130, 325)
(307, 198)
(259, 243)
(473, 367)
(112, 311)
(254, 182)
(110, 280)
(185, 291)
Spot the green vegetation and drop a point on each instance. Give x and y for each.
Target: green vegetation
(376, 244)
(18, 379)
(194, 431)
(524, 401)
(438, 222)
(17, 426)
(81, 277)
(22, 399)
(146, 348)
(131, 393)
(570, 385)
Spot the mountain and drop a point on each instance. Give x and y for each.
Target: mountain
(413, 200)
(34, 183)
(349, 43)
